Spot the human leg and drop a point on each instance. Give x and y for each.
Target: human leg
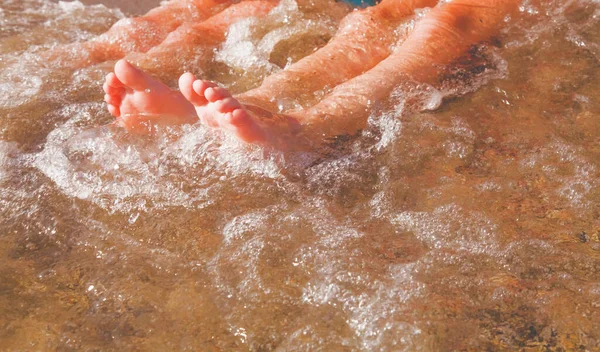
(442, 36)
(138, 99)
(195, 41)
(363, 40)
(137, 34)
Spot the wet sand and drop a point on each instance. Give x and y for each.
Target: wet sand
(464, 218)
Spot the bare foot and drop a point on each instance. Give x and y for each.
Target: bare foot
(217, 108)
(139, 101)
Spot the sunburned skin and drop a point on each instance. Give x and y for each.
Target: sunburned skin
(442, 36)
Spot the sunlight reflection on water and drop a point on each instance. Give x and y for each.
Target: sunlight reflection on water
(464, 217)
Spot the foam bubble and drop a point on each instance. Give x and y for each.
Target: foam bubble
(70, 6)
(17, 88)
(449, 226)
(7, 152)
(121, 173)
(251, 44)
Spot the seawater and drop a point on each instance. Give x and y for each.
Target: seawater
(464, 217)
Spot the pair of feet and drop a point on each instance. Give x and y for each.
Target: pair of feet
(140, 102)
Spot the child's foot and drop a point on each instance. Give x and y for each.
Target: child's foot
(217, 108)
(139, 101)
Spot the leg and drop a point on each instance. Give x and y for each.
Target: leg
(135, 34)
(363, 40)
(138, 99)
(195, 41)
(442, 36)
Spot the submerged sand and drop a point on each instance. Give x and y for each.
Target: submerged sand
(463, 218)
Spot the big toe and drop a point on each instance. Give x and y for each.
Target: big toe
(131, 76)
(113, 81)
(186, 82)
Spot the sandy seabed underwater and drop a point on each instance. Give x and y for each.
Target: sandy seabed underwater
(465, 217)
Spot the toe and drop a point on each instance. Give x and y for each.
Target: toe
(108, 89)
(186, 82)
(200, 86)
(115, 111)
(113, 81)
(245, 127)
(240, 117)
(214, 94)
(131, 76)
(112, 99)
(227, 105)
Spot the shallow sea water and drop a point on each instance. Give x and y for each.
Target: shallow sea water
(465, 217)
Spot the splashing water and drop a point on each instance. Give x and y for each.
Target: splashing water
(464, 217)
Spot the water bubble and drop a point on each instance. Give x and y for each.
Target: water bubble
(133, 218)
